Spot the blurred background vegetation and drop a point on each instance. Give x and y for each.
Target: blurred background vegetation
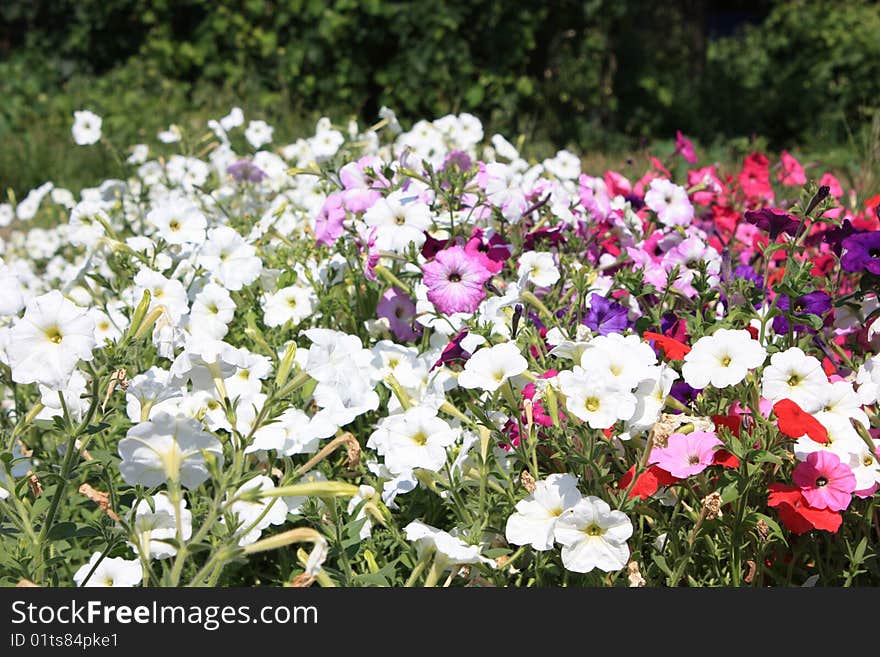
(604, 76)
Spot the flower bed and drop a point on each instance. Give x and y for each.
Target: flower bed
(377, 357)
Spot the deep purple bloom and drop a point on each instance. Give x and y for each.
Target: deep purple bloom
(684, 393)
(815, 303)
(552, 235)
(606, 316)
(862, 253)
(453, 351)
(245, 171)
(835, 236)
(773, 222)
(433, 246)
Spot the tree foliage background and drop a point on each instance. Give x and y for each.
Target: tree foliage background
(595, 73)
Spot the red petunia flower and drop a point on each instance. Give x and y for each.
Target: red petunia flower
(798, 516)
(794, 422)
(673, 349)
(647, 483)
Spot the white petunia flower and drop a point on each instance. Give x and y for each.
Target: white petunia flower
(178, 221)
(86, 127)
(490, 367)
(539, 267)
(255, 516)
(258, 133)
(400, 220)
(535, 519)
(597, 401)
(231, 260)
(167, 448)
(293, 303)
(416, 438)
(794, 375)
(153, 526)
(293, 432)
(670, 202)
(593, 536)
(868, 378)
(110, 572)
(448, 550)
(211, 312)
(167, 292)
(722, 359)
(50, 339)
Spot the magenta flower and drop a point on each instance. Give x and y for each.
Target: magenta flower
(686, 454)
(396, 306)
(685, 148)
(825, 482)
(455, 281)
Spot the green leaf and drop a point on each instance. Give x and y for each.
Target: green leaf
(660, 560)
(62, 530)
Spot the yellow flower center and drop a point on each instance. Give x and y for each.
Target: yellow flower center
(725, 361)
(174, 225)
(54, 334)
(593, 530)
(592, 404)
(420, 438)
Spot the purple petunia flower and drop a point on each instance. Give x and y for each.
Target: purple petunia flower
(606, 316)
(834, 237)
(400, 311)
(684, 393)
(775, 223)
(862, 253)
(815, 303)
(459, 159)
(453, 351)
(245, 171)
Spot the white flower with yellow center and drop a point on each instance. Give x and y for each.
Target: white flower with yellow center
(113, 572)
(416, 438)
(598, 401)
(722, 359)
(49, 340)
(794, 375)
(293, 303)
(593, 536)
(539, 267)
(178, 221)
(86, 128)
(489, 368)
(535, 518)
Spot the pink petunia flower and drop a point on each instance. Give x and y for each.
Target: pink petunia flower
(825, 482)
(686, 454)
(328, 225)
(455, 281)
(792, 173)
